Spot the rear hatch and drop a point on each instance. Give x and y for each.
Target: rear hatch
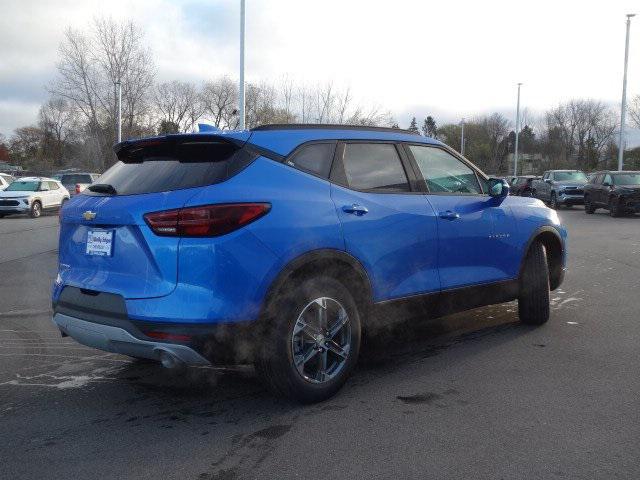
(105, 243)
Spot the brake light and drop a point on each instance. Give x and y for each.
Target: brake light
(78, 188)
(205, 221)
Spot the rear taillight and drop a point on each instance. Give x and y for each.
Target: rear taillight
(205, 221)
(78, 188)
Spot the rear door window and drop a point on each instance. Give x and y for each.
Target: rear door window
(372, 167)
(162, 168)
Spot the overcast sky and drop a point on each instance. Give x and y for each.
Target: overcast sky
(445, 58)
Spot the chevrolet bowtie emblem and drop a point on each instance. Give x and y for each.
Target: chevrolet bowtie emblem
(89, 215)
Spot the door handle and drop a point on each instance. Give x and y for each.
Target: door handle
(356, 209)
(449, 215)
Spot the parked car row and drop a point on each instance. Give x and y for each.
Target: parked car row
(618, 192)
(33, 195)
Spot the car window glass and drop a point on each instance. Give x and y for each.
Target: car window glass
(443, 172)
(629, 179)
(607, 179)
(53, 186)
(315, 158)
(374, 166)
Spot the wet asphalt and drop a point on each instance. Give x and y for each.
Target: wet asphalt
(475, 395)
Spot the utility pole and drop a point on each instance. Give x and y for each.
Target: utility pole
(515, 156)
(119, 110)
(623, 107)
(462, 138)
(241, 89)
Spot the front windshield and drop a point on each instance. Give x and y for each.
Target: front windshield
(626, 179)
(19, 186)
(569, 177)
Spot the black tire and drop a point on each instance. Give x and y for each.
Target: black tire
(553, 202)
(533, 301)
(614, 208)
(275, 363)
(589, 209)
(36, 209)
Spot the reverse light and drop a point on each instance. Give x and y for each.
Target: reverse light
(205, 221)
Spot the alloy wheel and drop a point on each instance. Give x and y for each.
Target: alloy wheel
(321, 340)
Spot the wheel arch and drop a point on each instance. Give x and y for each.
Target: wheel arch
(333, 263)
(555, 248)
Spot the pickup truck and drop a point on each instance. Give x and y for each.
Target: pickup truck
(560, 187)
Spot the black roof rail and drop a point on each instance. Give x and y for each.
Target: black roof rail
(327, 126)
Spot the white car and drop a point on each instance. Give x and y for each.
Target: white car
(5, 180)
(32, 195)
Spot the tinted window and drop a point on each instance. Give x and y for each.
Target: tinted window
(76, 178)
(315, 158)
(626, 179)
(175, 167)
(443, 172)
(374, 166)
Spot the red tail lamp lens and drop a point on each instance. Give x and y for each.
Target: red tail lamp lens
(205, 221)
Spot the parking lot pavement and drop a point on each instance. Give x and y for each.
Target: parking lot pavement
(475, 395)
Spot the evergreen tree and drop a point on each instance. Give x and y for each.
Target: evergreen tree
(413, 126)
(429, 128)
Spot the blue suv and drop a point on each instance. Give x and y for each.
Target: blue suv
(282, 246)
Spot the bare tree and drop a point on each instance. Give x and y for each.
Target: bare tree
(219, 102)
(58, 123)
(634, 111)
(178, 103)
(89, 65)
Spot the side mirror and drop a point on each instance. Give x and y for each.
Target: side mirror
(547, 180)
(498, 188)
(606, 184)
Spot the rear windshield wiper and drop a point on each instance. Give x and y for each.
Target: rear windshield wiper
(102, 188)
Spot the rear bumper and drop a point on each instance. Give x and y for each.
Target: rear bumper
(118, 340)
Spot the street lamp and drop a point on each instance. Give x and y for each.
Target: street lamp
(515, 155)
(462, 138)
(119, 109)
(623, 107)
(241, 89)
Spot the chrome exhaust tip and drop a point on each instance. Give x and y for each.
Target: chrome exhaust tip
(170, 361)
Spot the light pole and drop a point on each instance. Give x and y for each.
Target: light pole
(515, 155)
(119, 109)
(462, 138)
(241, 89)
(623, 107)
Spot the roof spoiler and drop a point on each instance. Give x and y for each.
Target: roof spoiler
(130, 150)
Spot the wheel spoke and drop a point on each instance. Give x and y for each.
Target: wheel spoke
(322, 368)
(342, 319)
(304, 327)
(337, 349)
(322, 314)
(303, 358)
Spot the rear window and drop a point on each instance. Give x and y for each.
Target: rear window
(174, 167)
(76, 178)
